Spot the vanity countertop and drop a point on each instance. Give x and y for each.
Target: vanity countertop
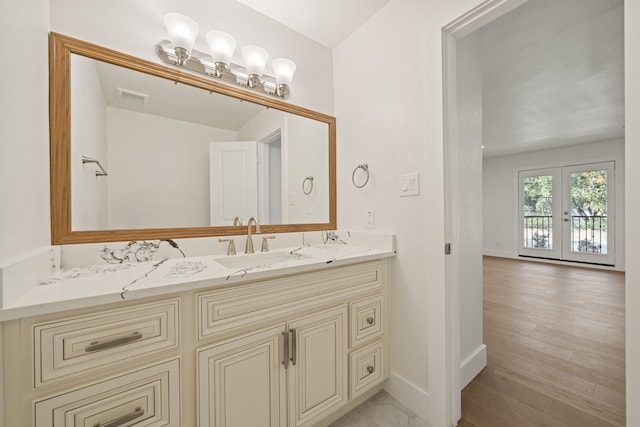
(102, 284)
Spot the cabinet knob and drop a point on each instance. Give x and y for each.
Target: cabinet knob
(370, 320)
(370, 369)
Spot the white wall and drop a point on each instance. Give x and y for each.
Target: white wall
(395, 125)
(158, 170)
(24, 128)
(500, 189)
(468, 215)
(24, 132)
(632, 201)
(88, 138)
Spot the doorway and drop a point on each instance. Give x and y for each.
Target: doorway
(567, 213)
(455, 233)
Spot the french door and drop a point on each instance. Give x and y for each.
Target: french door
(567, 213)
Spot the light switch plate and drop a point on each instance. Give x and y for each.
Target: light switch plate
(409, 184)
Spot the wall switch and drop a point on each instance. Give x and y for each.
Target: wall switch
(409, 184)
(292, 198)
(370, 218)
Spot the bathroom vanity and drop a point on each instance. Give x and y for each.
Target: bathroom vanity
(276, 339)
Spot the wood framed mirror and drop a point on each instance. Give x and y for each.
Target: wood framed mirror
(169, 142)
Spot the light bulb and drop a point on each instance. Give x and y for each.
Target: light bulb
(221, 46)
(255, 59)
(284, 70)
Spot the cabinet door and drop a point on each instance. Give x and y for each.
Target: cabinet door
(318, 369)
(241, 382)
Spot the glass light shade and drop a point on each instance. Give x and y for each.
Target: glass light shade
(284, 69)
(182, 30)
(255, 59)
(221, 46)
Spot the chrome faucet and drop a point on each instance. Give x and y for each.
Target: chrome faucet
(249, 247)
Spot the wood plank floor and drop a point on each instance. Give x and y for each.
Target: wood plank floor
(555, 347)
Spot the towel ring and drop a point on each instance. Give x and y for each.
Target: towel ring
(365, 168)
(308, 179)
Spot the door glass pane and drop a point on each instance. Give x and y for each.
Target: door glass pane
(537, 202)
(589, 212)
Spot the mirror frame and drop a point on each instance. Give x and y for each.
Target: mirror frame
(60, 50)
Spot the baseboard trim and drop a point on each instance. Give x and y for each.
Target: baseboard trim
(409, 394)
(499, 253)
(472, 365)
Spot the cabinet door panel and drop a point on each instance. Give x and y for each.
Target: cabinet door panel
(317, 380)
(241, 380)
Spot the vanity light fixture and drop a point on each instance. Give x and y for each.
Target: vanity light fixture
(182, 33)
(178, 51)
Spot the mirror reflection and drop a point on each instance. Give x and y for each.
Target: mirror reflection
(177, 156)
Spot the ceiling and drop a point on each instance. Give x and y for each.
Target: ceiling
(553, 75)
(327, 22)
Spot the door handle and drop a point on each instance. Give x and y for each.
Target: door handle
(97, 346)
(285, 352)
(137, 413)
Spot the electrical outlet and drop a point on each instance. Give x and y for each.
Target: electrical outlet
(370, 218)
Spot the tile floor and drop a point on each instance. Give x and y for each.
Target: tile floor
(381, 410)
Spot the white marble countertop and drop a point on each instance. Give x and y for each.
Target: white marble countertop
(101, 284)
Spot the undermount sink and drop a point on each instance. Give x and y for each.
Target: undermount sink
(262, 259)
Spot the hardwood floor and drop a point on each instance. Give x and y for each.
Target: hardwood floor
(555, 347)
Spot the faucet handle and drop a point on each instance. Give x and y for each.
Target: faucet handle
(265, 243)
(231, 250)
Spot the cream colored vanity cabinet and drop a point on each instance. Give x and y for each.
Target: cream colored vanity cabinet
(281, 351)
(292, 351)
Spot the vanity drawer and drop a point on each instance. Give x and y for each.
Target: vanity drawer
(147, 397)
(225, 309)
(366, 368)
(75, 345)
(366, 320)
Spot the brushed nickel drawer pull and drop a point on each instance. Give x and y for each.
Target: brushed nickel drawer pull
(370, 369)
(285, 357)
(370, 320)
(97, 345)
(294, 356)
(137, 413)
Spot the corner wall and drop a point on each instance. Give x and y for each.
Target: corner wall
(468, 216)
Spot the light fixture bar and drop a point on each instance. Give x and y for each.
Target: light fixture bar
(202, 63)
